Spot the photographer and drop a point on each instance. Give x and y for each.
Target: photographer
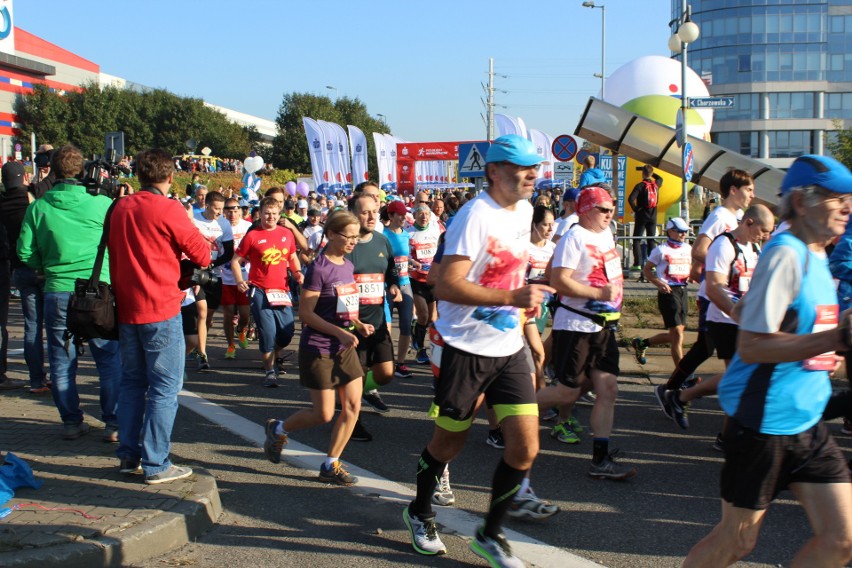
(148, 233)
(59, 238)
(45, 176)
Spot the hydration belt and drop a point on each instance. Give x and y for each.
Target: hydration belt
(607, 320)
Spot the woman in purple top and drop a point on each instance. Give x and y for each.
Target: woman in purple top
(327, 359)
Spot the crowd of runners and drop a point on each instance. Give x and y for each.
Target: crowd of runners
(475, 283)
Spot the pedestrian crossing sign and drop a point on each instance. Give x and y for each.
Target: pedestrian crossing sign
(472, 159)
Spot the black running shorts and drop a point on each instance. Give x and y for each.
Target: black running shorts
(674, 307)
(375, 349)
(506, 382)
(575, 353)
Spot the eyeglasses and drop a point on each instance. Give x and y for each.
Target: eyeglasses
(605, 210)
(831, 197)
(426, 202)
(234, 208)
(350, 238)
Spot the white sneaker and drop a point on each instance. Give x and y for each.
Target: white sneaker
(443, 494)
(496, 552)
(424, 534)
(531, 507)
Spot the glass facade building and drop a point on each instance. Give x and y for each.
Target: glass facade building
(788, 65)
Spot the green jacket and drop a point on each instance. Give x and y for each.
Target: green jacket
(60, 236)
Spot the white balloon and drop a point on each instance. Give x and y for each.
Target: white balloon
(253, 164)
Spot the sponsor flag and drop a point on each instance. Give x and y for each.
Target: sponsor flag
(316, 143)
(358, 148)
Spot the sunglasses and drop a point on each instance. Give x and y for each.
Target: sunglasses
(235, 208)
(605, 210)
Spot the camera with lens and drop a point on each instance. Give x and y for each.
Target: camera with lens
(101, 175)
(193, 275)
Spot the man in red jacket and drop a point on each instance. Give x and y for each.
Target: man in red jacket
(147, 235)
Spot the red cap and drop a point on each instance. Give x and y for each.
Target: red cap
(397, 207)
(592, 197)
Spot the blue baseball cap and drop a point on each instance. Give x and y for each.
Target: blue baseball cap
(513, 149)
(822, 171)
(570, 194)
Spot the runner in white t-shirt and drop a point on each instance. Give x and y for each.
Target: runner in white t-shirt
(730, 261)
(587, 274)
(667, 268)
(737, 190)
(231, 297)
(216, 230)
(482, 291)
(568, 218)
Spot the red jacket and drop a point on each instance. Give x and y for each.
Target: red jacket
(147, 235)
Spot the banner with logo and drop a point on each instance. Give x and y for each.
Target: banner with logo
(543, 145)
(316, 145)
(331, 156)
(7, 27)
(358, 149)
(343, 151)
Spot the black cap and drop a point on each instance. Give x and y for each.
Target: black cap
(289, 204)
(12, 175)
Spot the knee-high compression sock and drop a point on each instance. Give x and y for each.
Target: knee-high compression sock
(429, 471)
(696, 355)
(420, 335)
(600, 449)
(370, 383)
(507, 482)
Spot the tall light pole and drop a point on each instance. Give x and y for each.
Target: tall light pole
(329, 87)
(384, 118)
(687, 32)
(591, 4)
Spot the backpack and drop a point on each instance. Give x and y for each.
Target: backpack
(651, 188)
(737, 253)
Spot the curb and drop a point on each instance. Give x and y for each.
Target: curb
(166, 531)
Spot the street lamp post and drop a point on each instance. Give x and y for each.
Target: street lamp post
(329, 87)
(591, 4)
(687, 32)
(384, 118)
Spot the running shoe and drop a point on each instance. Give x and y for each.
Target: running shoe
(373, 399)
(495, 551)
(43, 389)
(243, 339)
(203, 364)
(531, 507)
(588, 398)
(402, 371)
(495, 439)
(424, 534)
(360, 434)
(549, 415)
(74, 431)
(337, 474)
(174, 473)
(640, 347)
(574, 425)
(271, 380)
(847, 427)
(443, 494)
(718, 443)
(231, 352)
(690, 382)
(660, 393)
(130, 466)
(678, 409)
(608, 468)
(563, 433)
(274, 443)
(422, 357)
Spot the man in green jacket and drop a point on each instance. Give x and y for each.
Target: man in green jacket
(59, 238)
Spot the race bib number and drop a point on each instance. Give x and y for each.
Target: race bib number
(371, 288)
(401, 265)
(679, 267)
(537, 269)
(347, 301)
(826, 318)
(612, 266)
(278, 298)
(425, 252)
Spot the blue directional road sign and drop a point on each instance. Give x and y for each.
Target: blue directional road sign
(688, 161)
(472, 159)
(711, 102)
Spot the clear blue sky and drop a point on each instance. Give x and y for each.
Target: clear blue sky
(418, 63)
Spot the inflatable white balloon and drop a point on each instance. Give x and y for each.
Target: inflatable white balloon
(253, 164)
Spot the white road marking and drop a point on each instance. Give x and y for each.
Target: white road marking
(454, 520)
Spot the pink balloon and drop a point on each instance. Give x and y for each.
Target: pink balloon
(303, 189)
(290, 187)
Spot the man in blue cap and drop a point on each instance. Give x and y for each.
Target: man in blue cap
(482, 293)
(776, 388)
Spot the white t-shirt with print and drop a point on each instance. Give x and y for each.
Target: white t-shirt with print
(720, 255)
(239, 231)
(539, 258)
(215, 232)
(563, 224)
(497, 241)
(718, 221)
(673, 263)
(595, 261)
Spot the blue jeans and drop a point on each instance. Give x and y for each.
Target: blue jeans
(275, 326)
(32, 304)
(153, 358)
(63, 365)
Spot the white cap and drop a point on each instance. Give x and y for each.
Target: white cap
(302, 204)
(678, 224)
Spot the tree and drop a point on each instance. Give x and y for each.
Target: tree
(839, 143)
(290, 146)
